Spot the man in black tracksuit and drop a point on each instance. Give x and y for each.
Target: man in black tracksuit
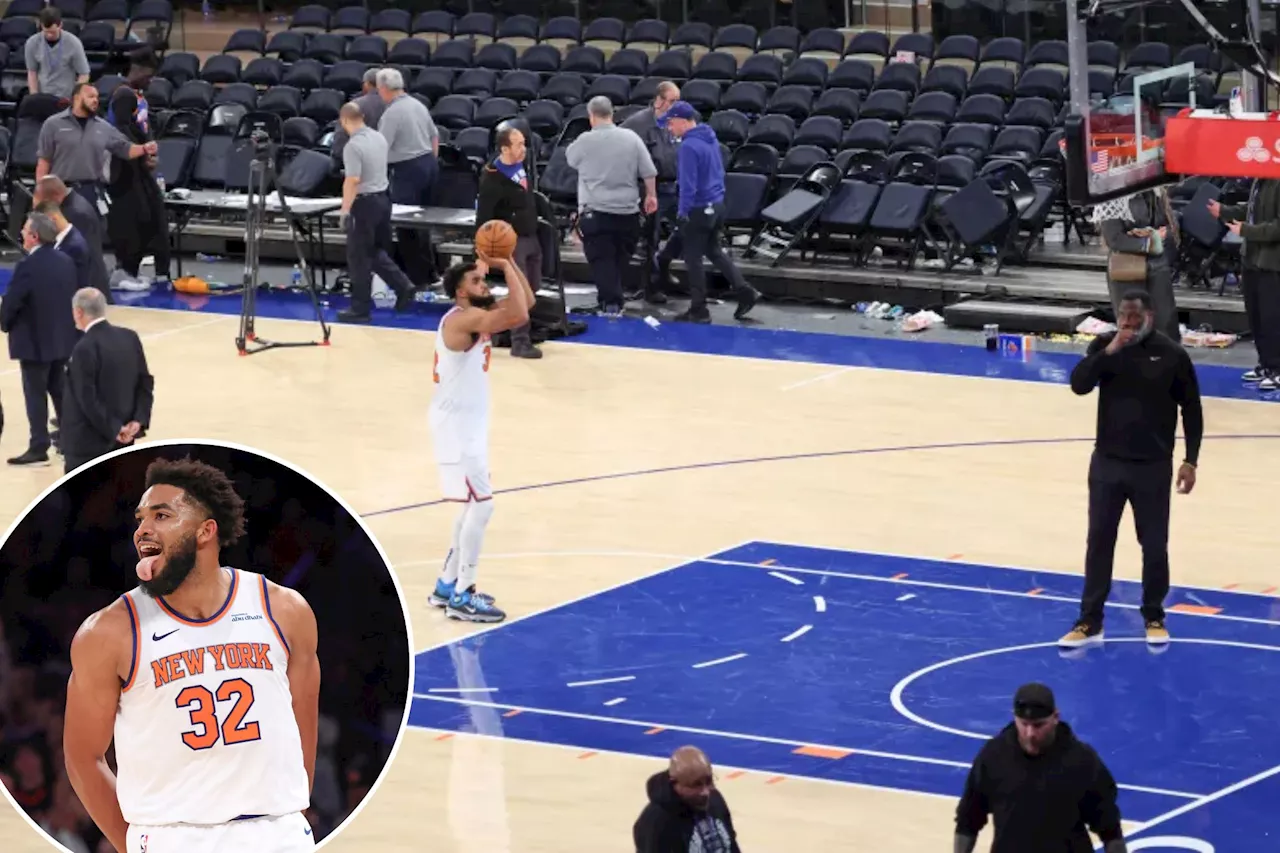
(685, 814)
(504, 194)
(1258, 223)
(1042, 785)
(1143, 379)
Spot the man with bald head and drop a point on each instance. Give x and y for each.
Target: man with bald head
(85, 218)
(685, 814)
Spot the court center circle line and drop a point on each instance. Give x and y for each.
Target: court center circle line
(793, 457)
(895, 695)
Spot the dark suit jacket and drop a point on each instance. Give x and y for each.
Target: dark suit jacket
(77, 249)
(85, 217)
(36, 311)
(108, 385)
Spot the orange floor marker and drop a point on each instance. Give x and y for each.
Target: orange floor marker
(586, 755)
(1231, 586)
(775, 780)
(513, 713)
(735, 774)
(1035, 591)
(1195, 608)
(899, 576)
(1269, 590)
(444, 736)
(822, 752)
(768, 562)
(955, 556)
(655, 730)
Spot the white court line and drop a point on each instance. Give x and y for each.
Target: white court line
(797, 633)
(617, 701)
(895, 756)
(906, 597)
(895, 695)
(919, 558)
(787, 578)
(620, 678)
(496, 626)
(664, 760)
(822, 377)
(462, 690)
(151, 336)
(1205, 800)
(819, 604)
(718, 661)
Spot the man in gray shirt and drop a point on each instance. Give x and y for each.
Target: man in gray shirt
(371, 107)
(366, 217)
(55, 59)
(413, 141)
(75, 143)
(662, 146)
(611, 162)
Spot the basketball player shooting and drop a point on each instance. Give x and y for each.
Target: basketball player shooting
(460, 421)
(208, 681)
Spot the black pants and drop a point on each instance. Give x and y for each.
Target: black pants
(42, 380)
(1145, 486)
(369, 250)
(130, 257)
(609, 240)
(412, 182)
(1262, 304)
(528, 256)
(668, 206)
(701, 234)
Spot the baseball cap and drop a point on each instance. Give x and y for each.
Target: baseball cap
(1033, 702)
(680, 109)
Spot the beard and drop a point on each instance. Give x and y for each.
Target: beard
(178, 564)
(485, 302)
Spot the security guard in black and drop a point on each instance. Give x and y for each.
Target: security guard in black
(1143, 379)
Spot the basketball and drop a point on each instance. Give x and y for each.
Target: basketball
(496, 239)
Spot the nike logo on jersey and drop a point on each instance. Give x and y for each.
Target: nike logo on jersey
(306, 832)
(158, 637)
(229, 656)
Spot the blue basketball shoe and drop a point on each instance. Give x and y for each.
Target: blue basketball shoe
(444, 591)
(471, 606)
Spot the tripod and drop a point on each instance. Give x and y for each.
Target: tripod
(262, 174)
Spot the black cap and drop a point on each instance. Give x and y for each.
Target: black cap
(1033, 702)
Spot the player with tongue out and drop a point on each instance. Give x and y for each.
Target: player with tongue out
(206, 679)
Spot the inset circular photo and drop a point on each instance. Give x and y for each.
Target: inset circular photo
(202, 650)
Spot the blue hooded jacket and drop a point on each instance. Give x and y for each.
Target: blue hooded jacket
(700, 171)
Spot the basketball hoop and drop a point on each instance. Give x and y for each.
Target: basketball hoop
(1203, 142)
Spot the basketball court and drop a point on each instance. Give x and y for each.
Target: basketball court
(828, 561)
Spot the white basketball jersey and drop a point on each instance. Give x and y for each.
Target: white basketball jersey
(460, 404)
(205, 731)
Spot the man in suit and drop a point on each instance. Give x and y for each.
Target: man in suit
(36, 314)
(85, 217)
(109, 391)
(70, 241)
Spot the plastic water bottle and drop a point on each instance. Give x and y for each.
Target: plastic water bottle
(296, 281)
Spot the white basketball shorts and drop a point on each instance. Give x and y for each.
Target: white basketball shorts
(466, 479)
(285, 834)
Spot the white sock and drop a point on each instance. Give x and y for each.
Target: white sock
(449, 574)
(472, 538)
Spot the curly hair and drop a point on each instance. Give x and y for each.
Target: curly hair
(207, 486)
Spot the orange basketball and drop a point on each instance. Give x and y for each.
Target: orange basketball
(496, 239)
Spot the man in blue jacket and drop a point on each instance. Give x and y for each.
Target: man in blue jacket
(36, 313)
(700, 175)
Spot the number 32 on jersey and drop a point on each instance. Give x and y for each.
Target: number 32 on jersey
(202, 705)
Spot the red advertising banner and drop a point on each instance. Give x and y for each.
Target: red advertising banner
(1235, 148)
